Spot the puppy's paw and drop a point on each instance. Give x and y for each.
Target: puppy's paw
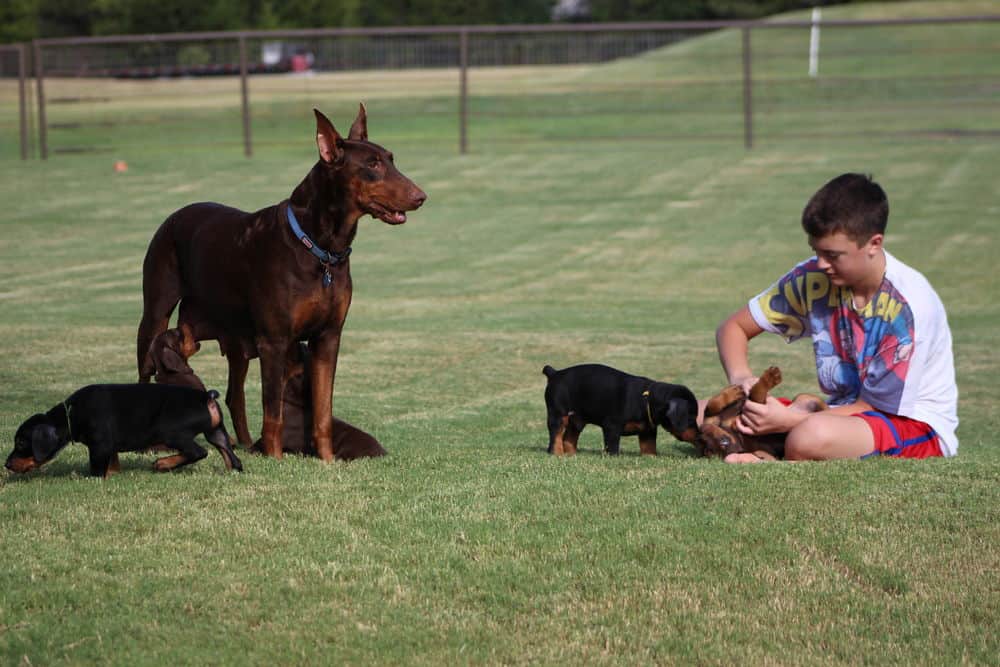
(771, 377)
(168, 463)
(731, 394)
(768, 381)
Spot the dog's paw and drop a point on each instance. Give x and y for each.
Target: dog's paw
(768, 381)
(771, 377)
(168, 463)
(729, 396)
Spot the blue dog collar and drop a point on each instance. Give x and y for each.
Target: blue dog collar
(327, 258)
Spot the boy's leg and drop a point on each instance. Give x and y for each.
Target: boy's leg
(825, 436)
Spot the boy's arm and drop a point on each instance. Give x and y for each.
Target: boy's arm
(774, 417)
(732, 339)
(851, 408)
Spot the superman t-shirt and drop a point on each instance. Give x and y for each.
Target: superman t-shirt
(895, 353)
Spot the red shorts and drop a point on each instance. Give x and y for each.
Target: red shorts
(898, 436)
(901, 436)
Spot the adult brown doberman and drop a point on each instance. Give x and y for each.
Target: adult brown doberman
(264, 281)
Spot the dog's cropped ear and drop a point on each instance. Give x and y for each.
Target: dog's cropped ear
(329, 142)
(44, 442)
(359, 129)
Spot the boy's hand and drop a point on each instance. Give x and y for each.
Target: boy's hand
(770, 417)
(747, 383)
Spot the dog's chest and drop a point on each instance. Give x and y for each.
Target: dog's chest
(636, 427)
(322, 306)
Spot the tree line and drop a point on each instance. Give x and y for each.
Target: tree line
(24, 20)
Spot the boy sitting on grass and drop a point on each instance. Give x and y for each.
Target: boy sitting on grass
(879, 331)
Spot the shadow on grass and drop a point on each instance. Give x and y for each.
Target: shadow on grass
(676, 450)
(142, 463)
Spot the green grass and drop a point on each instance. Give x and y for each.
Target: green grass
(468, 544)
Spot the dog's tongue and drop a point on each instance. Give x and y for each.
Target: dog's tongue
(398, 217)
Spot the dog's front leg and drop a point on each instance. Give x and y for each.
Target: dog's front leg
(612, 438)
(272, 379)
(323, 370)
(103, 461)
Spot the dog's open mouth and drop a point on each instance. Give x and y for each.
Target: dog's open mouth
(386, 215)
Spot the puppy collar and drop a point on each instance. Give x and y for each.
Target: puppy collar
(649, 413)
(328, 258)
(69, 423)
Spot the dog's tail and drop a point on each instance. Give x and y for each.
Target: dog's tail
(548, 371)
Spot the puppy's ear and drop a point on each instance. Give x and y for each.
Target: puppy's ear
(678, 414)
(44, 442)
(170, 361)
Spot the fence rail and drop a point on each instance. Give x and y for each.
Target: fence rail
(468, 48)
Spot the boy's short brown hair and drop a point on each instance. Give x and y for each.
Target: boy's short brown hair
(851, 203)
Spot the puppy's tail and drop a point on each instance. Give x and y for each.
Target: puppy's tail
(548, 371)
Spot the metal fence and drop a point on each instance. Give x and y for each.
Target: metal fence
(752, 79)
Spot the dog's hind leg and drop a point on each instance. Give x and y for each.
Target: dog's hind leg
(190, 452)
(161, 290)
(220, 440)
(236, 399)
(768, 381)
(571, 436)
(809, 403)
(557, 429)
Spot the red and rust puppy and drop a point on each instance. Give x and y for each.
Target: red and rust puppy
(349, 442)
(113, 418)
(719, 436)
(264, 281)
(621, 404)
(170, 352)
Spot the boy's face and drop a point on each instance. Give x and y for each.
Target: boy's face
(845, 263)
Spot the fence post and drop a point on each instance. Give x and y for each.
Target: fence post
(43, 143)
(22, 56)
(747, 91)
(463, 91)
(247, 147)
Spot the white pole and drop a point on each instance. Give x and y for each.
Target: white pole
(814, 43)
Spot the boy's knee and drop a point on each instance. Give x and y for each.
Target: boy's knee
(799, 442)
(807, 441)
(823, 436)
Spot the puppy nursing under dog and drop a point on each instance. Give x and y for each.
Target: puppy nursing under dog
(113, 418)
(171, 349)
(621, 404)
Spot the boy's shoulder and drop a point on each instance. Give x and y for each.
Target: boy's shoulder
(911, 284)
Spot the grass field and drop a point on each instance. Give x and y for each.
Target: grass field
(468, 544)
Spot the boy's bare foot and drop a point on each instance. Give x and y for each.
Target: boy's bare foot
(742, 457)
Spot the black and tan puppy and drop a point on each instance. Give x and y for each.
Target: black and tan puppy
(621, 404)
(112, 418)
